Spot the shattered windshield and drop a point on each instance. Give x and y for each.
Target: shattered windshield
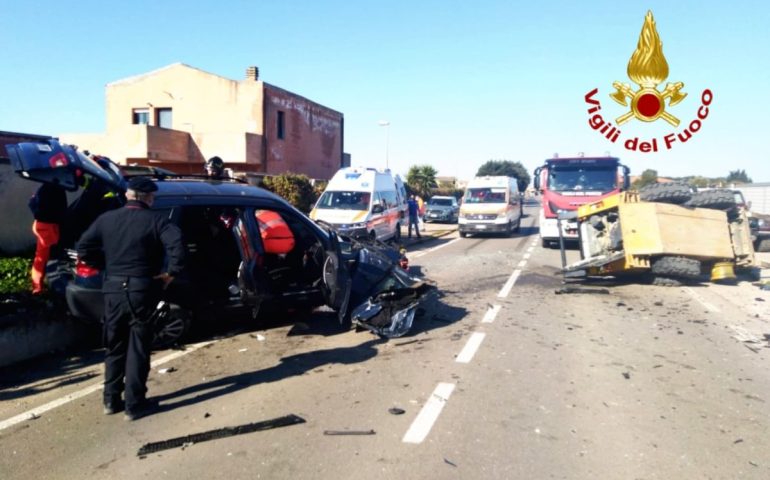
(582, 179)
(485, 195)
(343, 200)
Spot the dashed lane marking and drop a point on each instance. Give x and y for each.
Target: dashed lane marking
(424, 421)
(528, 254)
(509, 284)
(492, 312)
(425, 252)
(709, 307)
(470, 348)
(521, 264)
(36, 412)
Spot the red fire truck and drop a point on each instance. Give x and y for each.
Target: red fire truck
(567, 183)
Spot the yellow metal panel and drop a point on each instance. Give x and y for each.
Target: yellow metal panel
(662, 229)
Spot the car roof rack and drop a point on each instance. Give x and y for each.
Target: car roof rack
(186, 176)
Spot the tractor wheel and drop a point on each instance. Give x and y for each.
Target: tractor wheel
(676, 268)
(676, 193)
(662, 281)
(713, 199)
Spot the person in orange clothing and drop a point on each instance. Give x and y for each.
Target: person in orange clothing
(48, 205)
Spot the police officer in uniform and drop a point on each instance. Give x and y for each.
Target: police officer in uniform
(134, 242)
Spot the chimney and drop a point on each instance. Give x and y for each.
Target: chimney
(252, 73)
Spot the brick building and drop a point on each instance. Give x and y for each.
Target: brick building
(177, 116)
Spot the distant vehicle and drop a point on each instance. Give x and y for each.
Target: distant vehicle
(245, 247)
(567, 183)
(491, 204)
(363, 202)
(442, 209)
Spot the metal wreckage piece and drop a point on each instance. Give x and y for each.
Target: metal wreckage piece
(387, 297)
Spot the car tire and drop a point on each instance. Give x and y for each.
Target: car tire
(173, 328)
(675, 193)
(713, 199)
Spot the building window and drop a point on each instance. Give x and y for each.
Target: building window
(280, 126)
(163, 117)
(141, 116)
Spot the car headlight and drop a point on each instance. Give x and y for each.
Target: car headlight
(357, 225)
(502, 214)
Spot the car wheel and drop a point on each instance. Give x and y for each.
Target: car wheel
(173, 328)
(763, 245)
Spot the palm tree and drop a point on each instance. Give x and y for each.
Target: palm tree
(421, 178)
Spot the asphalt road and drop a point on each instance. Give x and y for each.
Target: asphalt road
(500, 378)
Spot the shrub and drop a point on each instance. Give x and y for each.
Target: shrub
(14, 275)
(295, 189)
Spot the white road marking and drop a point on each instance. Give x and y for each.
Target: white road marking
(527, 255)
(424, 421)
(522, 263)
(470, 348)
(37, 411)
(709, 307)
(489, 317)
(509, 284)
(425, 252)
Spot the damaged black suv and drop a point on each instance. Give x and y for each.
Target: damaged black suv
(230, 262)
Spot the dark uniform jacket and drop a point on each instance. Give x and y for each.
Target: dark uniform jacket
(133, 240)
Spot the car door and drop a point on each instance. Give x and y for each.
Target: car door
(336, 282)
(52, 162)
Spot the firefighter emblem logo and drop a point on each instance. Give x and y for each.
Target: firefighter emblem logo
(648, 69)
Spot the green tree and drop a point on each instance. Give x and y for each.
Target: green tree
(295, 189)
(648, 177)
(738, 176)
(420, 179)
(508, 169)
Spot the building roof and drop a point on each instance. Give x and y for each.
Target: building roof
(141, 76)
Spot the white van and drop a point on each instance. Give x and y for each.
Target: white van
(490, 204)
(363, 202)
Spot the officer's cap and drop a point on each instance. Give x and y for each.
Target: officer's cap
(142, 185)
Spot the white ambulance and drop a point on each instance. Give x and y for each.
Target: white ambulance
(490, 204)
(362, 202)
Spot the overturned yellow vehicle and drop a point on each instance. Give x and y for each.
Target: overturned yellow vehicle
(666, 233)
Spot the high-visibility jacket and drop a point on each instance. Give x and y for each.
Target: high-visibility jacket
(276, 235)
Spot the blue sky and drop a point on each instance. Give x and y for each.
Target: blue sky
(459, 82)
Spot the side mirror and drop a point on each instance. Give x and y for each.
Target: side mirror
(377, 209)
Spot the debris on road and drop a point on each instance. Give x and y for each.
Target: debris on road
(407, 342)
(243, 350)
(602, 291)
(189, 440)
(626, 375)
(396, 411)
(167, 370)
(450, 463)
(349, 432)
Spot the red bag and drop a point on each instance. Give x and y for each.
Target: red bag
(276, 235)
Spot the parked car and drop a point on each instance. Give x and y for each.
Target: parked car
(233, 258)
(442, 209)
(760, 232)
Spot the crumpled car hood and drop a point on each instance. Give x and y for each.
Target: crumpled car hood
(384, 297)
